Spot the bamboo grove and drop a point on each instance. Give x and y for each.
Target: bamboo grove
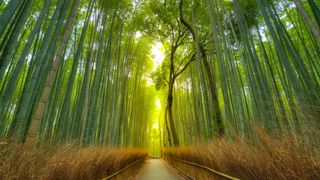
(79, 70)
(72, 71)
(251, 64)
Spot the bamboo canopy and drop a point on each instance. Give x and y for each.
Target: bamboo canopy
(82, 70)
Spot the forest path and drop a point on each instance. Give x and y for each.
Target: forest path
(156, 169)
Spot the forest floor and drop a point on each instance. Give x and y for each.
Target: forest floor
(157, 169)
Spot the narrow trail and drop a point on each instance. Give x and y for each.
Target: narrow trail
(156, 169)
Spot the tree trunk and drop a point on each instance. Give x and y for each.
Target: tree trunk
(214, 94)
(170, 114)
(86, 88)
(212, 86)
(170, 98)
(52, 75)
(315, 30)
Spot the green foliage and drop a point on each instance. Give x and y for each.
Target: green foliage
(86, 67)
(159, 78)
(250, 15)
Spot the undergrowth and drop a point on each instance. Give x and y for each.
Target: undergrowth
(65, 162)
(282, 158)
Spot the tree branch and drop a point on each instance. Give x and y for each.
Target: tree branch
(184, 22)
(191, 30)
(183, 60)
(193, 58)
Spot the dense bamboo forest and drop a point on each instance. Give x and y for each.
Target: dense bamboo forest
(163, 76)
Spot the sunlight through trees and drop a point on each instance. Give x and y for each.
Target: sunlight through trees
(150, 73)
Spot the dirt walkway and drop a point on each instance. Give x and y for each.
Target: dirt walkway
(155, 169)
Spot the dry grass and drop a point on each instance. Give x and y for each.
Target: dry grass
(270, 159)
(65, 162)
